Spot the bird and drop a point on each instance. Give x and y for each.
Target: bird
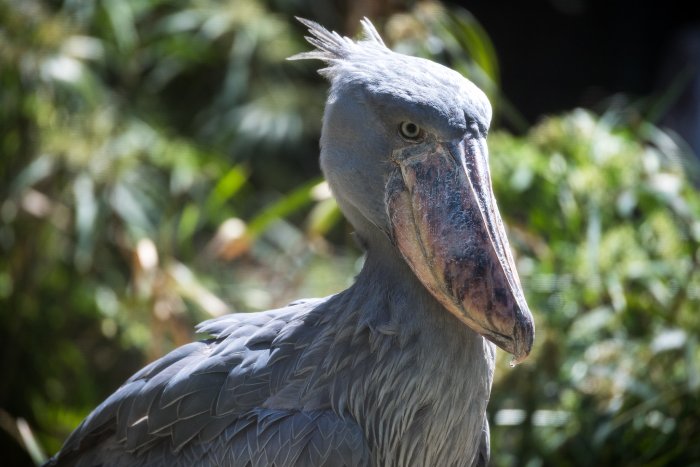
(397, 369)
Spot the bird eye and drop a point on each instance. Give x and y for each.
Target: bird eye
(410, 131)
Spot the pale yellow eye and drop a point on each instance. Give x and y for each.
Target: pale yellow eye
(410, 131)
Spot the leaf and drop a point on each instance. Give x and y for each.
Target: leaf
(86, 210)
(39, 169)
(226, 188)
(189, 218)
(285, 206)
(126, 203)
(323, 217)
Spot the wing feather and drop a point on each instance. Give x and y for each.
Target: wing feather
(203, 403)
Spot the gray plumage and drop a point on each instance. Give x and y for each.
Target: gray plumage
(380, 374)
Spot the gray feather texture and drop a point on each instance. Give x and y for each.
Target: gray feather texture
(379, 374)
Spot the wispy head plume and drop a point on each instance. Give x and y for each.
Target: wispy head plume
(333, 48)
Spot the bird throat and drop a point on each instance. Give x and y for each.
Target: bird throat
(419, 379)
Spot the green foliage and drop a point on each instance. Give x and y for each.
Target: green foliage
(133, 136)
(607, 229)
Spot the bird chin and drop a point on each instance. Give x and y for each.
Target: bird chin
(445, 222)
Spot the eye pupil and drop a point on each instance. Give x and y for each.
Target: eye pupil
(410, 130)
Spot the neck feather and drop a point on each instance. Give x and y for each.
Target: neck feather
(418, 379)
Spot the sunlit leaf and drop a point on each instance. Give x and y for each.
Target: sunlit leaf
(287, 205)
(323, 217)
(126, 203)
(86, 210)
(226, 188)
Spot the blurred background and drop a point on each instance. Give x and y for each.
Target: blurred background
(158, 167)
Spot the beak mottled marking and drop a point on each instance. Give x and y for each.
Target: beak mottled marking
(446, 225)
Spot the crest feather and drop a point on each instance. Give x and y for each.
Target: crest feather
(331, 46)
(371, 32)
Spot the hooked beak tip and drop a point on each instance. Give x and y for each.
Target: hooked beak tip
(523, 337)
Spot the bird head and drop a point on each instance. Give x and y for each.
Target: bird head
(403, 147)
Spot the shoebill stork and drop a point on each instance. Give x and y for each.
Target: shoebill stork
(395, 370)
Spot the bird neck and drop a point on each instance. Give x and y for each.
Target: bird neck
(415, 372)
